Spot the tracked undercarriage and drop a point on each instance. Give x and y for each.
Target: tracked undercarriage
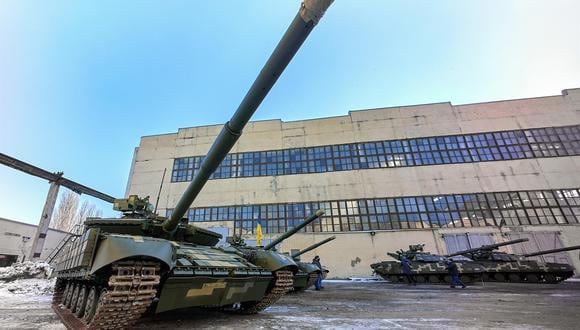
(113, 304)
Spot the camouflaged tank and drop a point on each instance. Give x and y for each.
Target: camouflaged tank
(308, 272)
(116, 269)
(425, 267)
(505, 267)
(302, 271)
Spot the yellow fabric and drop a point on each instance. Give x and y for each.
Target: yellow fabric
(259, 235)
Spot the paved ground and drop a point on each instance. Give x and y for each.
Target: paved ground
(348, 305)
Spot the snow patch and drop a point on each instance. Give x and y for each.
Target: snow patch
(27, 269)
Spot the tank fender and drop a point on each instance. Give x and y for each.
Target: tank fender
(113, 247)
(274, 261)
(309, 268)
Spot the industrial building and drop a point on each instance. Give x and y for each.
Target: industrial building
(450, 176)
(16, 241)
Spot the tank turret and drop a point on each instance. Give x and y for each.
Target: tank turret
(484, 251)
(312, 247)
(409, 254)
(564, 249)
(147, 261)
(294, 230)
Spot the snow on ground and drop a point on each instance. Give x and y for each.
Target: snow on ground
(27, 269)
(26, 278)
(27, 286)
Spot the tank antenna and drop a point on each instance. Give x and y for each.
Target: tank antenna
(159, 193)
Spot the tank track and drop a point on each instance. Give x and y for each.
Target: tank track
(283, 284)
(527, 277)
(436, 278)
(128, 293)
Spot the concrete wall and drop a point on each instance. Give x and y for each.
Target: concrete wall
(352, 253)
(16, 239)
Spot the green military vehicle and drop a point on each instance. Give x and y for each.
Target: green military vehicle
(505, 267)
(425, 267)
(119, 268)
(308, 272)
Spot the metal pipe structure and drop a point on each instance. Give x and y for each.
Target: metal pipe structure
(489, 247)
(294, 230)
(539, 253)
(312, 247)
(308, 16)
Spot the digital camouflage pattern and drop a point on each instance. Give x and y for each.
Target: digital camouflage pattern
(425, 267)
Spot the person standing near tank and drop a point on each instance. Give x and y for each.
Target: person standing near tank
(318, 284)
(406, 268)
(454, 272)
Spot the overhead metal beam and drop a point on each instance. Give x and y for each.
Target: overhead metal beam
(53, 177)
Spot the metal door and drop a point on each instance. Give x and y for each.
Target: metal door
(460, 242)
(541, 241)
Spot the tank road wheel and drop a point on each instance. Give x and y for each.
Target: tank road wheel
(420, 279)
(532, 278)
(90, 305)
(551, 278)
(69, 294)
(466, 278)
(447, 279)
(65, 293)
(499, 277)
(79, 308)
(485, 277)
(393, 278)
(434, 279)
(75, 298)
(59, 288)
(515, 278)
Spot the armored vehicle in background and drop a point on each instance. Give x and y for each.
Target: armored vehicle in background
(116, 269)
(308, 271)
(426, 267)
(267, 252)
(505, 267)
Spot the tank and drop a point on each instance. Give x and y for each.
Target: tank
(252, 253)
(426, 267)
(505, 267)
(116, 269)
(308, 271)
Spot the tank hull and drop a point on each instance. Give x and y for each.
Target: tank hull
(306, 276)
(526, 271)
(158, 275)
(433, 272)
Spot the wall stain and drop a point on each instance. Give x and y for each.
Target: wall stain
(355, 261)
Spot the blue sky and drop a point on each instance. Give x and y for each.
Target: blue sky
(81, 82)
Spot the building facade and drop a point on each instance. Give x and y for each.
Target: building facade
(449, 176)
(16, 241)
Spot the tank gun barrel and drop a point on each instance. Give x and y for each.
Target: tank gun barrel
(294, 230)
(312, 247)
(394, 255)
(539, 253)
(489, 247)
(308, 16)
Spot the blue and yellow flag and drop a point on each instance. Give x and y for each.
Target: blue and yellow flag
(259, 235)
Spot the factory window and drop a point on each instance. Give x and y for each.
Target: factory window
(494, 146)
(540, 207)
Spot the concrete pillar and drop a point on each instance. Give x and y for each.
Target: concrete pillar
(40, 235)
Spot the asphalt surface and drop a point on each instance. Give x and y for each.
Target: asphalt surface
(357, 305)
